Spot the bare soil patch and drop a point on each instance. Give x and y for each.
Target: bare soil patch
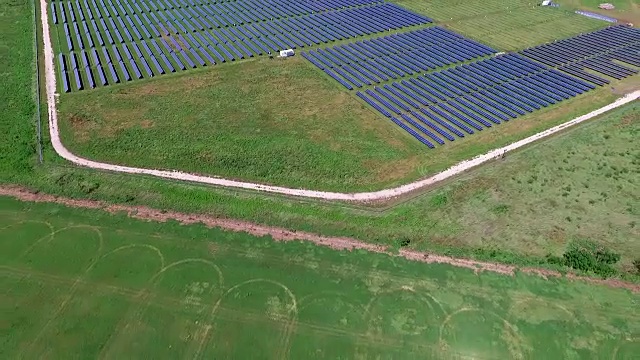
(280, 234)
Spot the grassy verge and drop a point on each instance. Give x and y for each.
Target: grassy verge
(505, 24)
(89, 284)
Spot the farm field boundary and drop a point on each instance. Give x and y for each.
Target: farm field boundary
(281, 234)
(459, 168)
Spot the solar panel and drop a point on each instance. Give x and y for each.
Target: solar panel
(65, 82)
(78, 79)
(103, 78)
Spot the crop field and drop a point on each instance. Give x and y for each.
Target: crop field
(506, 25)
(89, 284)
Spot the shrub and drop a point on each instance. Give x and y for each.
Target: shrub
(589, 257)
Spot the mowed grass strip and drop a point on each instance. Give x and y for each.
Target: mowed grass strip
(507, 25)
(88, 284)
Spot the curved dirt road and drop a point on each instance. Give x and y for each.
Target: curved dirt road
(357, 197)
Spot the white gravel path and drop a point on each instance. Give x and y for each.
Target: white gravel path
(358, 197)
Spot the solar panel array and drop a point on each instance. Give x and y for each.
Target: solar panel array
(182, 34)
(593, 51)
(111, 41)
(468, 98)
(395, 56)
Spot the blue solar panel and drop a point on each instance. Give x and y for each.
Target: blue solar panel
(54, 15)
(76, 75)
(136, 70)
(436, 128)
(92, 83)
(65, 82)
(103, 78)
(127, 77)
(63, 65)
(114, 74)
(413, 133)
(422, 129)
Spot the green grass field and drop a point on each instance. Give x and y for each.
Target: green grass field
(86, 284)
(264, 120)
(17, 104)
(507, 25)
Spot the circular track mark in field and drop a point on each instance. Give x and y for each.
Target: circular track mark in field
(17, 238)
(52, 253)
(257, 306)
(131, 265)
(405, 312)
(627, 349)
(402, 317)
(329, 324)
(197, 282)
(474, 333)
(173, 311)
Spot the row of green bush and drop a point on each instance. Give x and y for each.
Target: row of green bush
(588, 257)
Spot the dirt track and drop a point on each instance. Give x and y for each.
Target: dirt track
(457, 169)
(280, 234)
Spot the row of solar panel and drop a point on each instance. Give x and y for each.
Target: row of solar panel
(236, 12)
(440, 86)
(276, 37)
(172, 56)
(370, 61)
(604, 64)
(470, 97)
(243, 9)
(584, 46)
(417, 39)
(210, 17)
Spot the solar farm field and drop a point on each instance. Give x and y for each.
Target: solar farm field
(364, 119)
(437, 106)
(358, 111)
(88, 284)
(238, 122)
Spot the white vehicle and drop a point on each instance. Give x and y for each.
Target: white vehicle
(287, 53)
